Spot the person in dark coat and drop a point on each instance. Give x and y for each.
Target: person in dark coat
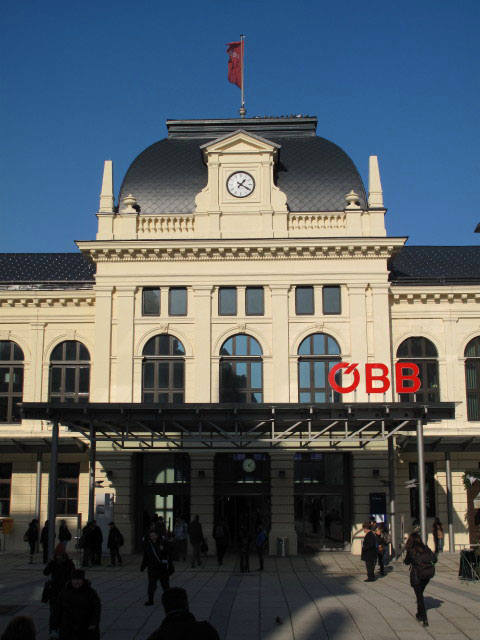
(369, 551)
(60, 568)
(97, 542)
(115, 541)
(260, 540)
(179, 623)
(64, 534)
(76, 614)
(221, 536)
(157, 559)
(419, 556)
(382, 546)
(31, 536)
(244, 549)
(86, 543)
(44, 542)
(20, 628)
(195, 533)
(438, 535)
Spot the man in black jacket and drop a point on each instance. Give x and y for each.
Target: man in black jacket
(179, 623)
(369, 551)
(115, 541)
(97, 542)
(157, 559)
(76, 614)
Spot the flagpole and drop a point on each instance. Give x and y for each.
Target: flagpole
(242, 111)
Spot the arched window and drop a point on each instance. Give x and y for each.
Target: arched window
(163, 377)
(11, 381)
(241, 370)
(472, 378)
(318, 353)
(424, 354)
(70, 372)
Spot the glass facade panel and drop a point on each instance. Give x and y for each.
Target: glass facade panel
(177, 301)
(304, 302)
(11, 381)
(331, 297)
(227, 301)
(69, 372)
(151, 302)
(254, 301)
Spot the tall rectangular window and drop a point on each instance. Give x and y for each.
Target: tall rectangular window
(304, 304)
(151, 302)
(5, 488)
(177, 301)
(332, 300)
(430, 490)
(227, 301)
(67, 498)
(254, 301)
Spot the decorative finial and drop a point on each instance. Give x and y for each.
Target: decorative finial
(129, 203)
(352, 199)
(242, 111)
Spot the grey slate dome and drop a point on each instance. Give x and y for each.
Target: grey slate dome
(314, 173)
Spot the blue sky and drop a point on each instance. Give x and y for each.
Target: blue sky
(87, 81)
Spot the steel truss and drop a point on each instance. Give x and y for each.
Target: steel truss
(219, 426)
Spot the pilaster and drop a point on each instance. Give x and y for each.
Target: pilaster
(202, 492)
(381, 331)
(358, 333)
(282, 502)
(202, 295)
(125, 329)
(37, 331)
(100, 382)
(280, 343)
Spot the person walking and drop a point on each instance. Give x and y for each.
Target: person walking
(44, 542)
(438, 535)
(77, 610)
(97, 542)
(221, 536)
(244, 549)
(260, 540)
(369, 551)
(422, 561)
(20, 628)
(381, 547)
(60, 568)
(64, 534)
(114, 542)
(157, 559)
(86, 543)
(31, 536)
(179, 623)
(195, 533)
(180, 534)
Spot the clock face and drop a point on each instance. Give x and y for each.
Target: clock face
(249, 465)
(240, 184)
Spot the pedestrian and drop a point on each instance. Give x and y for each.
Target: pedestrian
(438, 535)
(64, 534)
(195, 533)
(115, 541)
(97, 542)
(86, 543)
(422, 561)
(20, 628)
(260, 540)
(244, 549)
(180, 533)
(60, 568)
(369, 551)
(44, 542)
(158, 525)
(179, 623)
(381, 547)
(77, 610)
(31, 536)
(157, 559)
(221, 536)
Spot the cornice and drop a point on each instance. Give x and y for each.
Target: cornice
(430, 295)
(75, 299)
(248, 249)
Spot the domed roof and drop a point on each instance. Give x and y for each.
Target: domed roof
(313, 172)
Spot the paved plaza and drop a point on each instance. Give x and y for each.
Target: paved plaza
(304, 598)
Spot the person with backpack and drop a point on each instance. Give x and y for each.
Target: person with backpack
(221, 537)
(260, 540)
(422, 561)
(115, 541)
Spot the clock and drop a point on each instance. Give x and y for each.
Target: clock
(240, 184)
(249, 465)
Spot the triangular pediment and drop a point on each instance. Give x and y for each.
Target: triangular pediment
(240, 141)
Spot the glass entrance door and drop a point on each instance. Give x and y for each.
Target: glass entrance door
(243, 511)
(319, 522)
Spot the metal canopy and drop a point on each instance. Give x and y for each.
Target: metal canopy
(441, 444)
(259, 426)
(41, 445)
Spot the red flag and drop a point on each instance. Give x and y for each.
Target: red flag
(234, 50)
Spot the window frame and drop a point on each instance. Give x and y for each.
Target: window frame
(327, 359)
(171, 359)
(304, 313)
(170, 312)
(222, 289)
(13, 397)
(472, 393)
(226, 394)
(338, 288)
(250, 289)
(147, 313)
(68, 480)
(78, 365)
(423, 362)
(6, 479)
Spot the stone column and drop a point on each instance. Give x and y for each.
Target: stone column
(37, 330)
(280, 344)
(100, 382)
(203, 344)
(125, 332)
(358, 337)
(202, 493)
(282, 501)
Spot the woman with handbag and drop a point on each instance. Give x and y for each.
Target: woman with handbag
(60, 569)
